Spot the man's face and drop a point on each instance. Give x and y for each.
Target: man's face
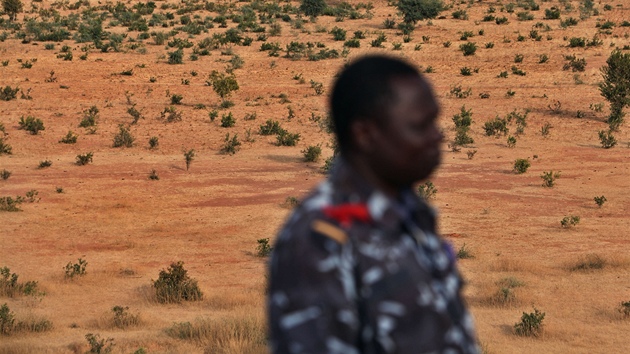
(407, 140)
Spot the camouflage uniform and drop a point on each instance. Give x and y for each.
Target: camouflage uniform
(354, 271)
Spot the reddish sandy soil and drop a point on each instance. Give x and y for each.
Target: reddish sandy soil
(129, 227)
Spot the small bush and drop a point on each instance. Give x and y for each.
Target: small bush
(174, 285)
(123, 319)
(123, 138)
(189, 156)
(170, 114)
(600, 200)
(588, 262)
(521, 165)
(271, 127)
(44, 164)
(312, 153)
(5, 174)
(263, 249)
(10, 287)
(549, 178)
(176, 57)
(468, 48)
(7, 93)
(284, 138)
(7, 320)
(84, 159)
(176, 99)
(75, 269)
(5, 148)
(464, 253)
(531, 324)
(607, 139)
(459, 92)
(569, 221)
(427, 190)
(544, 130)
(89, 117)
(624, 309)
(227, 120)
(153, 175)
(70, 138)
(497, 126)
(98, 345)
(10, 204)
(31, 124)
(230, 145)
(154, 142)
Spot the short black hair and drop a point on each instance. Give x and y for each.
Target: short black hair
(362, 91)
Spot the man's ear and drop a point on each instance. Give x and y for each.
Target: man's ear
(362, 131)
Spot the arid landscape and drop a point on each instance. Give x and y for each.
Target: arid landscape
(162, 78)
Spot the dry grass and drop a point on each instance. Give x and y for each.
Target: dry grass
(232, 334)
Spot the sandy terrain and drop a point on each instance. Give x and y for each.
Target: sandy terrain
(129, 227)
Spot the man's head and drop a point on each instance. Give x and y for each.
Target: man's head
(385, 114)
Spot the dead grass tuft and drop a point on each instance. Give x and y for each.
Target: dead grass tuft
(234, 334)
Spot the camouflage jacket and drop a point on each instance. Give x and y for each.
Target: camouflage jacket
(354, 271)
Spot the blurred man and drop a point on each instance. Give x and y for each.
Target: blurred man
(359, 268)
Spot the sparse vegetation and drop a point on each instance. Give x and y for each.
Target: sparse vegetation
(31, 124)
(84, 159)
(464, 252)
(189, 156)
(124, 137)
(427, 190)
(174, 285)
(600, 200)
(230, 144)
(263, 249)
(70, 138)
(75, 269)
(521, 165)
(569, 221)
(312, 153)
(549, 178)
(531, 324)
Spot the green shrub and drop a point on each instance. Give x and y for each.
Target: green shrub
(8, 93)
(154, 142)
(98, 345)
(176, 57)
(418, 10)
(511, 141)
(607, 139)
(123, 319)
(5, 174)
(263, 249)
(174, 285)
(7, 320)
(84, 159)
(89, 117)
(170, 114)
(230, 145)
(427, 190)
(10, 204)
(123, 138)
(70, 138)
(284, 138)
(459, 92)
(5, 148)
(271, 127)
(75, 269)
(227, 120)
(312, 153)
(468, 48)
(552, 13)
(312, 8)
(222, 84)
(176, 99)
(521, 165)
(549, 178)
(464, 253)
(10, 287)
(600, 200)
(339, 34)
(497, 126)
(531, 324)
(44, 164)
(569, 221)
(189, 156)
(616, 86)
(31, 124)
